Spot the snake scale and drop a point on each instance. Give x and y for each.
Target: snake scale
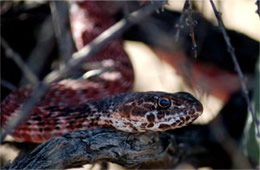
(102, 100)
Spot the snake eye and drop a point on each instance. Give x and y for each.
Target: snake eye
(164, 103)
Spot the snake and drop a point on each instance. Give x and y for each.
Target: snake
(100, 100)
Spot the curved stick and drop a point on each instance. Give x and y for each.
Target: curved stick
(82, 147)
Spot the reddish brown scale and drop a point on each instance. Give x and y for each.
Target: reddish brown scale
(174, 124)
(143, 125)
(150, 118)
(164, 126)
(137, 111)
(180, 124)
(192, 112)
(126, 109)
(182, 119)
(193, 118)
(140, 102)
(150, 125)
(160, 115)
(148, 106)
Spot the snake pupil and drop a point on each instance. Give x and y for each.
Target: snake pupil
(164, 103)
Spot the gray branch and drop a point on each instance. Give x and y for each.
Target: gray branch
(194, 144)
(82, 147)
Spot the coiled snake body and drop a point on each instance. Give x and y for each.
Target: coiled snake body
(83, 104)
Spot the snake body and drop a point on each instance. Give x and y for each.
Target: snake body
(73, 104)
(129, 112)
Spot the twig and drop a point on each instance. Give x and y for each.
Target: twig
(192, 34)
(258, 7)
(7, 84)
(237, 67)
(44, 45)
(186, 19)
(76, 60)
(18, 60)
(179, 25)
(60, 16)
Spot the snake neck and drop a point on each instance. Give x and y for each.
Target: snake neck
(48, 121)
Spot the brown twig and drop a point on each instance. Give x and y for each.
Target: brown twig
(186, 19)
(76, 60)
(179, 25)
(237, 67)
(190, 23)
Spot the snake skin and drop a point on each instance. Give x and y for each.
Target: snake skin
(129, 112)
(73, 104)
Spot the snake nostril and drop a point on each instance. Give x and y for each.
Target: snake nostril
(199, 107)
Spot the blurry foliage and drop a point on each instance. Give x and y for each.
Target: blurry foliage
(250, 140)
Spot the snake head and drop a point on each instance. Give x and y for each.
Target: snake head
(156, 111)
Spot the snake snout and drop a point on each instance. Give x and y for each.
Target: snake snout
(195, 103)
(198, 107)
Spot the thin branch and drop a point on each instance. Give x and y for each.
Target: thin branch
(186, 19)
(76, 60)
(43, 47)
(191, 23)
(60, 17)
(179, 25)
(7, 84)
(237, 67)
(258, 7)
(18, 60)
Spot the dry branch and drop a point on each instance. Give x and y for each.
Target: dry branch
(81, 147)
(60, 17)
(193, 144)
